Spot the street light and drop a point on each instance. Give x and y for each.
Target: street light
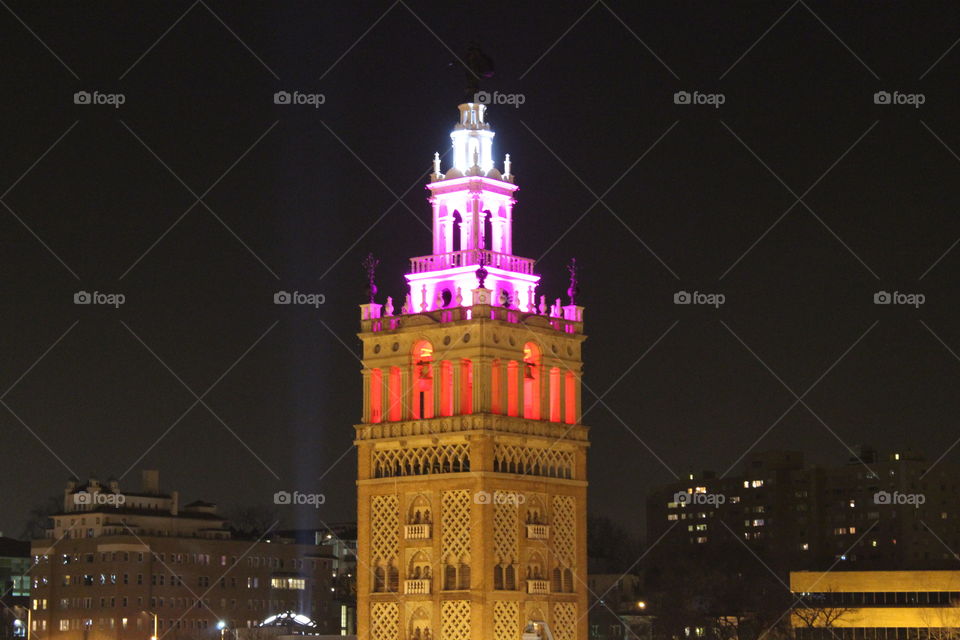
(155, 636)
(222, 625)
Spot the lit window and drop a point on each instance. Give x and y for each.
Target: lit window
(288, 583)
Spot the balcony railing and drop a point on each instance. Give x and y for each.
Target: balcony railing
(416, 531)
(538, 531)
(538, 587)
(416, 587)
(469, 257)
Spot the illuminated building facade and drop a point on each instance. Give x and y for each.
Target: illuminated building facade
(113, 560)
(472, 459)
(876, 605)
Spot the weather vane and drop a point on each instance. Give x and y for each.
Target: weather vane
(573, 290)
(370, 265)
(477, 66)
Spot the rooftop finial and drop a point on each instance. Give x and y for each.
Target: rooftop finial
(481, 272)
(370, 264)
(573, 290)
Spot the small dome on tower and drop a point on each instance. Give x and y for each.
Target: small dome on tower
(493, 173)
(453, 172)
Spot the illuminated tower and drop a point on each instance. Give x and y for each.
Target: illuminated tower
(472, 460)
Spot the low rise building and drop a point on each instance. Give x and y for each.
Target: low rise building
(115, 563)
(876, 605)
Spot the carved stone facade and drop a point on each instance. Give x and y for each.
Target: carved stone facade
(471, 456)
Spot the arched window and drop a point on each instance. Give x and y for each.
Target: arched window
(422, 364)
(556, 583)
(512, 392)
(466, 387)
(570, 398)
(379, 579)
(376, 396)
(393, 579)
(531, 381)
(457, 221)
(511, 578)
(568, 580)
(450, 577)
(496, 387)
(555, 394)
(498, 576)
(395, 395)
(446, 388)
(464, 575)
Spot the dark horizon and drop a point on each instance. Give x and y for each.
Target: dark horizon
(799, 198)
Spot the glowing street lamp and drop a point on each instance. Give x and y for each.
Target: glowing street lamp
(222, 625)
(156, 635)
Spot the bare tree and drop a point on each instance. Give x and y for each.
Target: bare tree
(822, 610)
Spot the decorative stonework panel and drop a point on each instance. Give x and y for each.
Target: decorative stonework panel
(505, 520)
(506, 620)
(533, 461)
(418, 461)
(564, 530)
(564, 621)
(384, 528)
(455, 620)
(384, 621)
(455, 524)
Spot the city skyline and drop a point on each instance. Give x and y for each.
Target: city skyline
(798, 199)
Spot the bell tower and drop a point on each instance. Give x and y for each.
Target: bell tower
(472, 460)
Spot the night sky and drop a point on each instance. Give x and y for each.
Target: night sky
(797, 199)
